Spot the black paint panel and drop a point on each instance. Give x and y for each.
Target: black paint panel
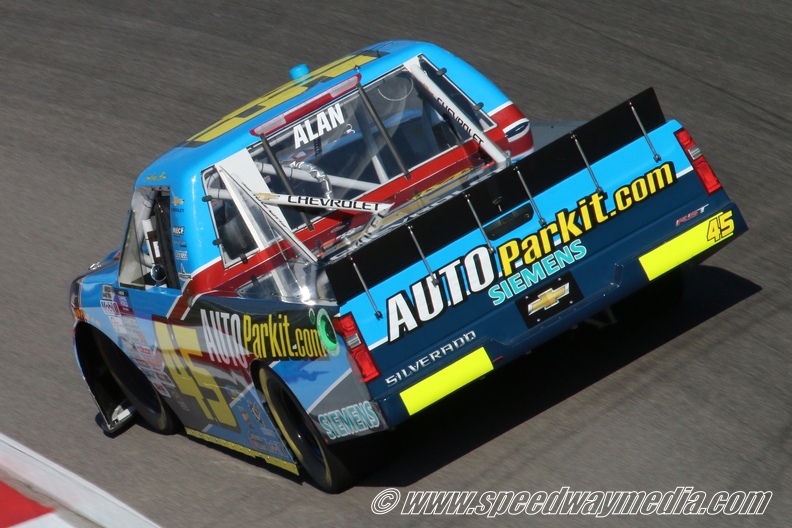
(490, 198)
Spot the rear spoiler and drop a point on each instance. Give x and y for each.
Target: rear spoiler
(409, 243)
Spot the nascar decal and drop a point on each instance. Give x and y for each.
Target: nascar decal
(523, 262)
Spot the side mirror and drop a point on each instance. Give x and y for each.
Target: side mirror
(158, 273)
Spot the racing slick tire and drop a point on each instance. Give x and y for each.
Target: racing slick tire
(333, 468)
(137, 388)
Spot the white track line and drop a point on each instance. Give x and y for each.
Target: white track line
(48, 520)
(66, 488)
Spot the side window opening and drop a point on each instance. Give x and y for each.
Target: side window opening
(130, 269)
(148, 243)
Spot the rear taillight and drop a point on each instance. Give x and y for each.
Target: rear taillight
(347, 328)
(699, 162)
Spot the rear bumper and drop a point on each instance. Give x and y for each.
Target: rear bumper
(503, 333)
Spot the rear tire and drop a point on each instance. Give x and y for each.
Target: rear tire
(137, 388)
(333, 468)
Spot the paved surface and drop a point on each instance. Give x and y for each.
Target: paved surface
(91, 92)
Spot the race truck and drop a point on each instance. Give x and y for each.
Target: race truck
(320, 265)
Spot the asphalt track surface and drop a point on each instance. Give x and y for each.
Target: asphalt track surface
(92, 91)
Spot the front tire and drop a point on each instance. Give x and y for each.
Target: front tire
(137, 388)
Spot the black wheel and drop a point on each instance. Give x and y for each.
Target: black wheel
(658, 296)
(332, 467)
(137, 388)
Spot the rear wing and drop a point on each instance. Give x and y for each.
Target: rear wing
(487, 200)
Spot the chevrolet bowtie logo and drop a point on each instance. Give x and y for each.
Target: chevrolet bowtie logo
(177, 201)
(548, 299)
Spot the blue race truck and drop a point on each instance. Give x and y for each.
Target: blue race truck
(350, 248)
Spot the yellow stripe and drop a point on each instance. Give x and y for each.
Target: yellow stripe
(276, 97)
(443, 383)
(682, 248)
(291, 467)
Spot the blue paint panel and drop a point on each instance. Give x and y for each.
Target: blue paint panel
(610, 173)
(308, 380)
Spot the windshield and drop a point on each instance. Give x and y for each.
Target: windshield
(340, 152)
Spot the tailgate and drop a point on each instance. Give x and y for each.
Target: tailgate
(421, 292)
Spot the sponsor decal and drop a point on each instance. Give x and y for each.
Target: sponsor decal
(349, 420)
(177, 201)
(109, 307)
(430, 299)
(118, 324)
(164, 378)
(590, 213)
(323, 203)
(324, 121)
(246, 418)
(130, 321)
(107, 292)
(461, 122)
(275, 338)
(430, 358)
(156, 177)
(549, 300)
(693, 214)
(177, 230)
(183, 275)
(277, 448)
(161, 388)
(223, 335)
(144, 349)
(256, 411)
(180, 243)
(257, 442)
(121, 297)
(538, 271)
(522, 262)
(142, 363)
(135, 335)
(180, 255)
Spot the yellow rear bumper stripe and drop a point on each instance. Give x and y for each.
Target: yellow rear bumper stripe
(679, 249)
(446, 381)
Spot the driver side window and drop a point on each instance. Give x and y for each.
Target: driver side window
(148, 246)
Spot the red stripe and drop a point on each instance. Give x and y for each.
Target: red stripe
(15, 508)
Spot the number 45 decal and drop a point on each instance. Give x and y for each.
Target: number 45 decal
(189, 377)
(721, 226)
